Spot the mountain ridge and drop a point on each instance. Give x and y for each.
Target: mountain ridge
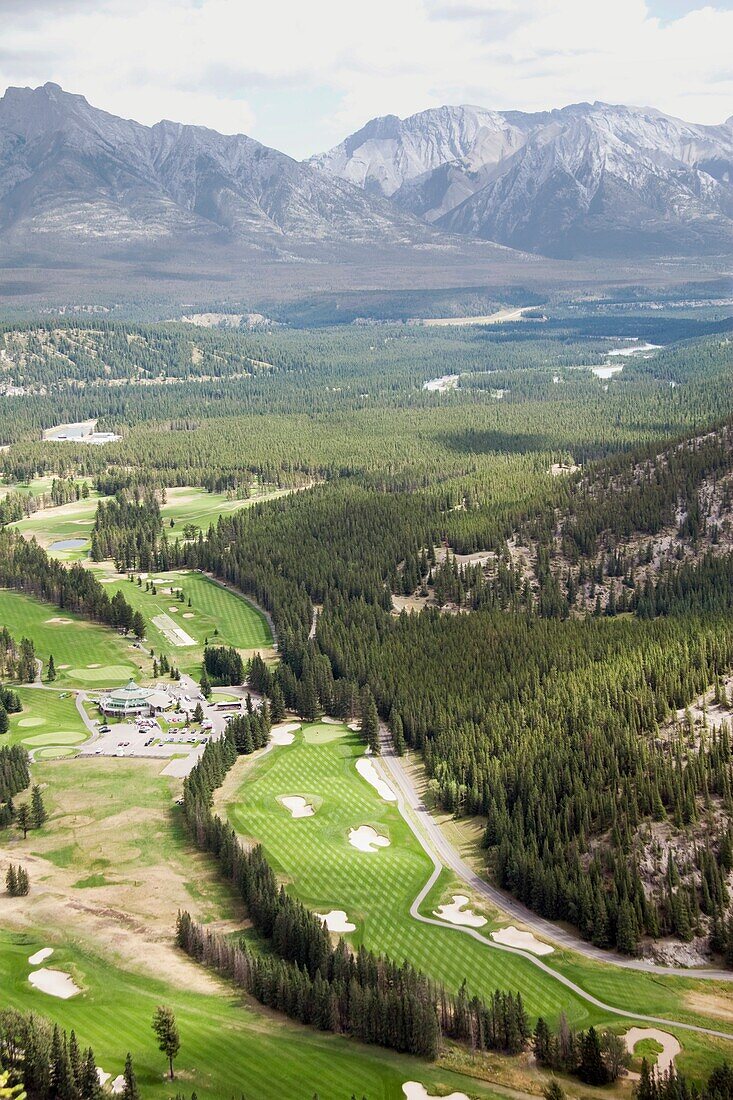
(586, 179)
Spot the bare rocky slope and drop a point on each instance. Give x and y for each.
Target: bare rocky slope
(590, 179)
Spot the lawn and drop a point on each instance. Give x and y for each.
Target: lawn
(216, 613)
(46, 720)
(228, 1048)
(314, 856)
(68, 521)
(83, 652)
(108, 874)
(194, 505)
(375, 889)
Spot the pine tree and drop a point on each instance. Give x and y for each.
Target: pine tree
(39, 816)
(51, 669)
(23, 818)
(166, 1032)
(130, 1091)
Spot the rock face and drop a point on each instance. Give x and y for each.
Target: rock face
(590, 179)
(69, 169)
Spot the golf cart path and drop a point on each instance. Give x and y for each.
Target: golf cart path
(442, 854)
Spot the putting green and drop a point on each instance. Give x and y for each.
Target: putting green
(322, 732)
(54, 752)
(26, 723)
(62, 737)
(105, 673)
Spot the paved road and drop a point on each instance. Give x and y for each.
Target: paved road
(442, 854)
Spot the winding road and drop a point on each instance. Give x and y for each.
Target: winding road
(442, 854)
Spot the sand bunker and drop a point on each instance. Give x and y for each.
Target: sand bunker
(188, 614)
(63, 666)
(284, 734)
(413, 1090)
(336, 921)
(103, 1077)
(40, 956)
(94, 666)
(367, 839)
(456, 913)
(367, 771)
(54, 982)
(118, 1085)
(525, 941)
(64, 622)
(331, 721)
(173, 610)
(670, 1046)
(299, 807)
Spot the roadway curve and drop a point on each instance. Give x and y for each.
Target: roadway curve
(443, 854)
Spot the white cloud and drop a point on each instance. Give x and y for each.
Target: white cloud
(212, 61)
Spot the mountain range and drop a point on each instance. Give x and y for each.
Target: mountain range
(589, 180)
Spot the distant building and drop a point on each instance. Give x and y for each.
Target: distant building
(134, 699)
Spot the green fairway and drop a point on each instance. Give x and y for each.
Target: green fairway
(46, 720)
(376, 889)
(68, 521)
(74, 642)
(227, 1047)
(132, 861)
(193, 505)
(216, 613)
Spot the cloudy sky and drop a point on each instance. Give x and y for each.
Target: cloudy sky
(301, 74)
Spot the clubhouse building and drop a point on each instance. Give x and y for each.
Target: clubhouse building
(133, 699)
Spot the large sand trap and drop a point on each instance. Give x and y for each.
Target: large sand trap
(413, 1090)
(284, 733)
(367, 771)
(331, 721)
(173, 610)
(40, 956)
(336, 921)
(456, 913)
(299, 807)
(525, 941)
(118, 1085)
(670, 1046)
(367, 839)
(63, 622)
(103, 1077)
(54, 982)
